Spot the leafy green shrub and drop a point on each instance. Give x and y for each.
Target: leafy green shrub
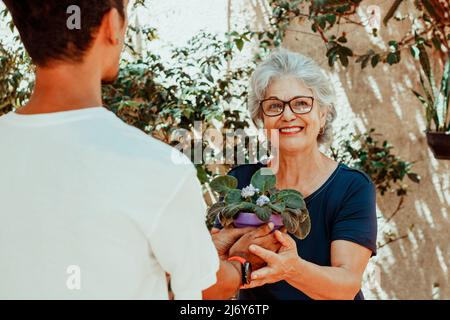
(386, 170)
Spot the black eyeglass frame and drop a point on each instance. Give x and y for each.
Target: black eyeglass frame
(286, 103)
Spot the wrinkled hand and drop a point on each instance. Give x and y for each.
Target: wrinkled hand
(280, 266)
(224, 238)
(261, 237)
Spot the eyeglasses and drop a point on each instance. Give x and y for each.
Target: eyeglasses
(273, 107)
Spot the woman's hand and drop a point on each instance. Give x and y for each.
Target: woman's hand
(262, 237)
(225, 238)
(280, 266)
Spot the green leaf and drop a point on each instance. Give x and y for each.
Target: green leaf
(247, 207)
(239, 44)
(365, 62)
(277, 207)
(343, 59)
(332, 59)
(291, 198)
(294, 202)
(342, 39)
(424, 61)
(393, 58)
(215, 210)
(414, 177)
(436, 43)
(414, 52)
(322, 22)
(304, 229)
(222, 184)
(202, 174)
(343, 9)
(231, 210)
(346, 51)
(263, 182)
(233, 196)
(441, 106)
(263, 213)
(331, 18)
(374, 61)
(393, 44)
(290, 222)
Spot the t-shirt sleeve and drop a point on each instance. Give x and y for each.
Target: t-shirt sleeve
(356, 221)
(182, 244)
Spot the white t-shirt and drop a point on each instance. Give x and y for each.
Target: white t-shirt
(91, 208)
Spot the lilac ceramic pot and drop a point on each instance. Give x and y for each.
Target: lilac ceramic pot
(247, 219)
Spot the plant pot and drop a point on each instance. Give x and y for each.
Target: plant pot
(247, 219)
(439, 143)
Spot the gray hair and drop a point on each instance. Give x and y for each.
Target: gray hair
(282, 62)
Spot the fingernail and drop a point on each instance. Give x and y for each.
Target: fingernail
(254, 276)
(252, 247)
(271, 225)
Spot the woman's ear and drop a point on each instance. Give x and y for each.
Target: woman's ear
(323, 117)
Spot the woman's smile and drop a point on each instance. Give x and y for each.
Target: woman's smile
(291, 130)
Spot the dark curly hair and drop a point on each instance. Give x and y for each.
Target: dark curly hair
(43, 27)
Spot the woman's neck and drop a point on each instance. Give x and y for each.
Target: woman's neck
(303, 171)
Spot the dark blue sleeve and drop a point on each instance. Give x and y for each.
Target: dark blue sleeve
(356, 221)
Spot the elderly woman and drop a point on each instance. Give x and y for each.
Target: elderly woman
(290, 94)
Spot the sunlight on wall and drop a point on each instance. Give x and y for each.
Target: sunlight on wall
(444, 213)
(441, 260)
(344, 110)
(424, 212)
(375, 88)
(412, 239)
(420, 121)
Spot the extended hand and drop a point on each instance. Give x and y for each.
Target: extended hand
(261, 237)
(280, 265)
(223, 239)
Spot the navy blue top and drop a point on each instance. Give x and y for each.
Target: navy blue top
(343, 208)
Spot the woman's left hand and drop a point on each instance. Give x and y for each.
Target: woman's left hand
(280, 266)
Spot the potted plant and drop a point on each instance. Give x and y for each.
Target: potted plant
(260, 203)
(436, 103)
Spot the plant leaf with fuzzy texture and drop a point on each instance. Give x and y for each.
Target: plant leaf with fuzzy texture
(278, 207)
(263, 182)
(233, 196)
(290, 222)
(304, 229)
(291, 198)
(215, 209)
(230, 211)
(222, 184)
(297, 222)
(263, 213)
